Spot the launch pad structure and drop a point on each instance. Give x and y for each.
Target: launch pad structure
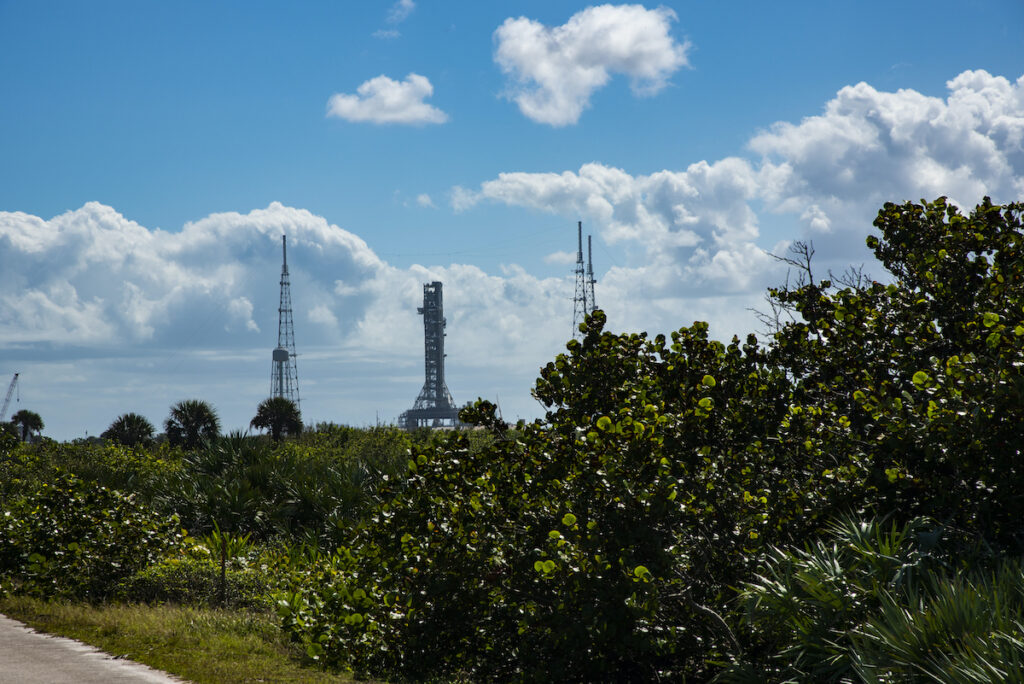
(434, 407)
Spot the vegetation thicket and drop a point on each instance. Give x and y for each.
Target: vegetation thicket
(606, 541)
(840, 501)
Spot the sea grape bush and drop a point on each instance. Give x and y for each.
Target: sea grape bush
(75, 539)
(598, 543)
(922, 377)
(607, 541)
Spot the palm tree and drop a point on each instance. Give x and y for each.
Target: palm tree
(29, 421)
(280, 415)
(192, 421)
(130, 429)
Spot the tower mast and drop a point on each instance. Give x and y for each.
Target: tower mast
(591, 301)
(284, 375)
(579, 308)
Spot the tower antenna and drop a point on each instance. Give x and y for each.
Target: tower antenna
(284, 375)
(591, 301)
(579, 308)
(434, 406)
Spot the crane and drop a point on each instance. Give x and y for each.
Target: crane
(7, 399)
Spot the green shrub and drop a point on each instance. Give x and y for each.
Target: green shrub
(606, 541)
(879, 603)
(964, 628)
(195, 580)
(73, 538)
(595, 546)
(802, 610)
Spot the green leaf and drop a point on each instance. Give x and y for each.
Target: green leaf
(708, 381)
(604, 423)
(568, 519)
(921, 379)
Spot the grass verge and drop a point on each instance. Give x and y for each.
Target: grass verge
(201, 645)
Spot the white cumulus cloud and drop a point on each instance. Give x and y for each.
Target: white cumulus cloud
(93, 276)
(400, 11)
(560, 258)
(553, 71)
(382, 100)
(702, 229)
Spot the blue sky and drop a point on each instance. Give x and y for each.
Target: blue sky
(688, 137)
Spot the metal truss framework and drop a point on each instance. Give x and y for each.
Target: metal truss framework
(284, 375)
(434, 406)
(583, 301)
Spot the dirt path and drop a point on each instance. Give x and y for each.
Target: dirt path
(29, 657)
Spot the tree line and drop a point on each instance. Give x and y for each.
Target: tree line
(191, 423)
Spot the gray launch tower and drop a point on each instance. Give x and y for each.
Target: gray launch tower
(284, 376)
(434, 406)
(583, 301)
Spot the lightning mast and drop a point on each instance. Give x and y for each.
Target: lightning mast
(579, 308)
(591, 301)
(584, 303)
(284, 375)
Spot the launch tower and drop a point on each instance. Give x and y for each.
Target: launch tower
(434, 406)
(284, 376)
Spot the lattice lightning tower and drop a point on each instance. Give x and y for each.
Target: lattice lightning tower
(591, 301)
(579, 305)
(434, 406)
(284, 376)
(583, 300)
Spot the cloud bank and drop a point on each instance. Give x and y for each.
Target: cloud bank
(101, 301)
(701, 229)
(382, 100)
(553, 71)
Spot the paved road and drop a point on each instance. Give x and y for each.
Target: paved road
(29, 657)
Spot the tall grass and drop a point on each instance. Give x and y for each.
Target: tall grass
(201, 645)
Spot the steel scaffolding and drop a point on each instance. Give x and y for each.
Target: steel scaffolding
(284, 375)
(434, 406)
